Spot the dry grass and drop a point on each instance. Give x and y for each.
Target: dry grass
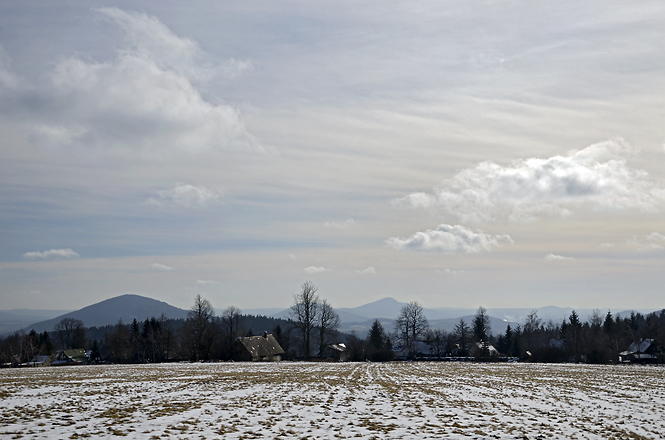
(302, 400)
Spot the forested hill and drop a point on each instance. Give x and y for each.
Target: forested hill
(109, 312)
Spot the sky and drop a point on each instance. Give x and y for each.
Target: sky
(503, 153)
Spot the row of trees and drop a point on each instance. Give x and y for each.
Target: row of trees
(201, 336)
(599, 340)
(312, 326)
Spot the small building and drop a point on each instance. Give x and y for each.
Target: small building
(74, 356)
(417, 350)
(483, 350)
(259, 348)
(339, 352)
(644, 351)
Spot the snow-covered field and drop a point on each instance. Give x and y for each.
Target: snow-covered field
(340, 400)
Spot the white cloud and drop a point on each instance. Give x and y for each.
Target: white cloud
(161, 267)
(554, 257)
(449, 239)
(597, 176)
(448, 271)
(316, 269)
(343, 224)
(652, 241)
(150, 38)
(186, 195)
(367, 271)
(52, 253)
(206, 282)
(145, 99)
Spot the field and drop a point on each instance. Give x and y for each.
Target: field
(341, 400)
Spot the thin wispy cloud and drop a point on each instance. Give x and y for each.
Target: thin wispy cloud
(186, 195)
(449, 271)
(206, 282)
(555, 257)
(450, 239)
(315, 269)
(161, 267)
(341, 224)
(51, 254)
(652, 241)
(367, 271)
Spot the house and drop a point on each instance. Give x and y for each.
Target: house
(339, 352)
(259, 348)
(643, 351)
(483, 350)
(75, 356)
(417, 350)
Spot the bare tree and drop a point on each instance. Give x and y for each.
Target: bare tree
(531, 329)
(328, 321)
(304, 313)
(437, 340)
(230, 321)
(71, 333)
(411, 326)
(199, 327)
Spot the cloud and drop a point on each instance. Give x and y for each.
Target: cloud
(554, 257)
(152, 39)
(367, 271)
(449, 239)
(652, 241)
(186, 195)
(145, 99)
(316, 269)
(7, 79)
(161, 267)
(343, 224)
(449, 271)
(597, 176)
(206, 282)
(52, 253)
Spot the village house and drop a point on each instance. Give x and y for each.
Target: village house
(339, 352)
(645, 351)
(74, 356)
(259, 348)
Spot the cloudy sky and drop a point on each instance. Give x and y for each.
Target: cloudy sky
(457, 153)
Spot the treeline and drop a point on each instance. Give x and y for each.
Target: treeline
(600, 339)
(201, 337)
(311, 332)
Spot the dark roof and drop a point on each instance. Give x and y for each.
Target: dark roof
(261, 346)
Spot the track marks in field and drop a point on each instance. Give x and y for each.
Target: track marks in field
(317, 400)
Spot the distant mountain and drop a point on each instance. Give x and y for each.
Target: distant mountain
(16, 319)
(387, 308)
(108, 312)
